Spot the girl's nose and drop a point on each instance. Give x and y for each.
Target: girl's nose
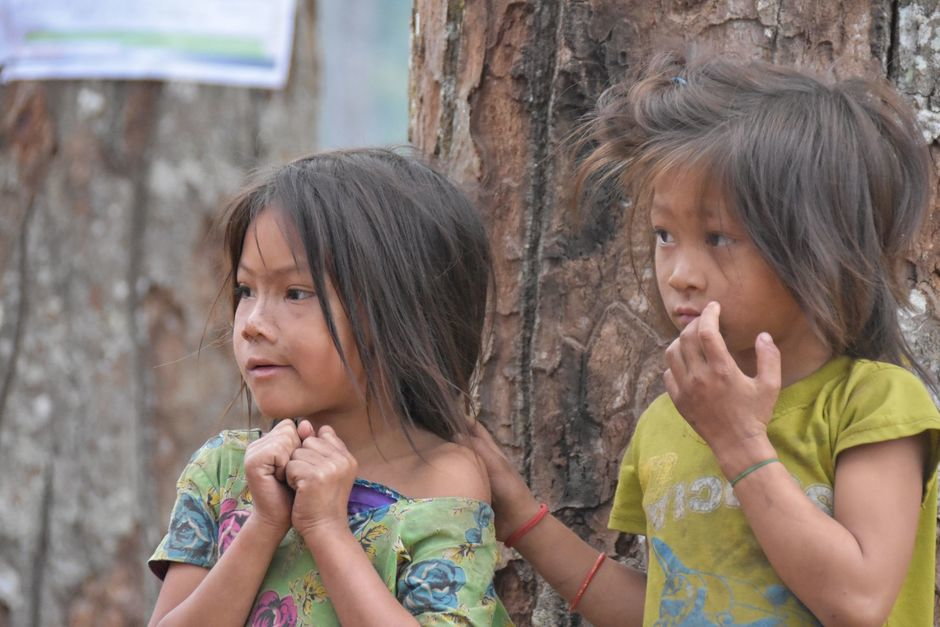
(688, 273)
(258, 324)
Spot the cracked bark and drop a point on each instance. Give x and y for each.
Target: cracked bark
(570, 363)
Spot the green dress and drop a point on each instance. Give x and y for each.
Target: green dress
(437, 556)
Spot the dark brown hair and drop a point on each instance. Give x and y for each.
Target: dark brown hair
(409, 258)
(831, 181)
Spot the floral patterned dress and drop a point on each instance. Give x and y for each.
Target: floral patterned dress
(437, 556)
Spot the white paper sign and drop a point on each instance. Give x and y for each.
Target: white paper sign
(231, 42)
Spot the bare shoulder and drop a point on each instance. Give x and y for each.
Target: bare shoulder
(451, 470)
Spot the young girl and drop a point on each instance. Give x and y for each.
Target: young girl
(787, 477)
(359, 289)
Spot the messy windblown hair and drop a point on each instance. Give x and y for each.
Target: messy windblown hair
(409, 259)
(831, 181)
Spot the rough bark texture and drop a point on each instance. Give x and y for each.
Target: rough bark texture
(496, 87)
(108, 269)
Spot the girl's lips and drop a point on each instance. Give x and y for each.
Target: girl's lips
(266, 371)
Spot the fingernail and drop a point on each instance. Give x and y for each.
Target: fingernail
(765, 338)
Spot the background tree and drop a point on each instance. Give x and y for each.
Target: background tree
(107, 269)
(496, 87)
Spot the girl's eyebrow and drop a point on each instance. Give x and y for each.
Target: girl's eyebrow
(284, 270)
(659, 207)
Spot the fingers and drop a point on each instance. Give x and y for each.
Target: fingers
(480, 439)
(280, 443)
(672, 388)
(328, 435)
(307, 465)
(479, 431)
(712, 345)
(321, 456)
(674, 359)
(690, 346)
(481, 442)
(305, 429)
(768, 362)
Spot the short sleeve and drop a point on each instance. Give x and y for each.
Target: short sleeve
(449, 577)
(193, 529)
(885, 402)
(627, 513)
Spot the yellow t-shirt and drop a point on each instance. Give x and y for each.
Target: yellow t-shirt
(705, 565)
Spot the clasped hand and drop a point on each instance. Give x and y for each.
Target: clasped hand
(726, 407)
(300, 477)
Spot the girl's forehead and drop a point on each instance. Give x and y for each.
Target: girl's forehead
(688, 198)
(272, 238)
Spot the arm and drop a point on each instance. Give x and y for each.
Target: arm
(322, 471)
(349, 577)
(848, 569)
(190, 594)
(615, 596)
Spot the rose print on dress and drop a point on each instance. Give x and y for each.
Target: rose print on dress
(191, 537)
(431, 586)
(231, 520)
(273, 611)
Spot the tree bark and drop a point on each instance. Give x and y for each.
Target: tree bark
(572, 361)
(108, 270)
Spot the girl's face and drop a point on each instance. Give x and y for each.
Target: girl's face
(280, 337)
(703, 254)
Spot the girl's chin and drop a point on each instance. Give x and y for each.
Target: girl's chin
(279, 412)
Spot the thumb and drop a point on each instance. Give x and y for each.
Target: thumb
(768, 362)
(304, 430)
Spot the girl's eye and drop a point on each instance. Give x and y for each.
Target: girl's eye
(662, 236)
(241, 291)
(296, 293)
(718, 240)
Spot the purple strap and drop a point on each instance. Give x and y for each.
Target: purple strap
(362, 498)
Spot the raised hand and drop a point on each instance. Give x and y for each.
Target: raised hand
(265, 470)
(513, 502)
(321, 472)
(727, 408)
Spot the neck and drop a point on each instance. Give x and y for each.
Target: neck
(792, 370)
(796, 362)
(383, 439)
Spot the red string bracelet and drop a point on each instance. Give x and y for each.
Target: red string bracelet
(527, 527)
(587, 581)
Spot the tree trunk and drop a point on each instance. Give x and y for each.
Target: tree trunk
(496, 88)
(108, 270)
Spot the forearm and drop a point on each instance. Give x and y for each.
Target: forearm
(615, 595)
(349, 577)
(816, 556)
(235, 578)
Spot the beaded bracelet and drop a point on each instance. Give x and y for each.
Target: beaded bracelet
(527, 527)
(587, 581)
(751, 469)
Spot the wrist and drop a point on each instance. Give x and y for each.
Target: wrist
(527, 526)
(733, 460)
(514, 519)
(538, 538)
(323, 529)
(263, 528)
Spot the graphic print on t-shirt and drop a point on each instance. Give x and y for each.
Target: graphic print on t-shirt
(696, 598)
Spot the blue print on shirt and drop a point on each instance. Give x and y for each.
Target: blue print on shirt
(692, 598)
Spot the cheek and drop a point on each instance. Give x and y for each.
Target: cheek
(238, 343)
(660, 269)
